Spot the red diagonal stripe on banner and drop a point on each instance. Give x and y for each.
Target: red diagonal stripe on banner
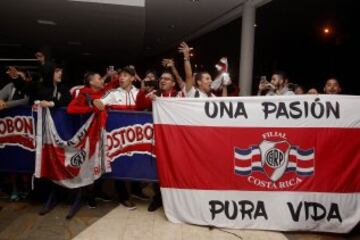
(53, 164)
(21, 140)
(144, 147)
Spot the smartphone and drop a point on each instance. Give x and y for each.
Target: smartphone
(263, 79)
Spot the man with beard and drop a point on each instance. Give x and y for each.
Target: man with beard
(277, 85)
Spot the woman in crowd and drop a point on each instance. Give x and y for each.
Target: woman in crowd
(54, 93)
(198, 86)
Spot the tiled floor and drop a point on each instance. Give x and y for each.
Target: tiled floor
(21, 221)
(123, 224)
(110, 221)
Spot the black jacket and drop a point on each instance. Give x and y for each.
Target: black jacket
(60, 94)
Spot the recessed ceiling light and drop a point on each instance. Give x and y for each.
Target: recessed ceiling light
(46, 22)
(86, 54)
(172, 26)
(194, 1)
(131, 3)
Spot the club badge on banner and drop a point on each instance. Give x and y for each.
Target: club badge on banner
(288, 163)
(73, 163)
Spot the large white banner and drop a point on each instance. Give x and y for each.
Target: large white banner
(286, 163)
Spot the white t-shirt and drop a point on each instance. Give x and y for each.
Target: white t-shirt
(193, 92)
(285, 91)
(120, 97)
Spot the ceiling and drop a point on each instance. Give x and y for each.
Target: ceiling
(126, 29)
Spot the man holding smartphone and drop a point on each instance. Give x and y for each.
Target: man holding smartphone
(277, 86)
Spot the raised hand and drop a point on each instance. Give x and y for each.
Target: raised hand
(110, 71)
(14, 71)
(263, 85)
(185, 49)
(168, 63)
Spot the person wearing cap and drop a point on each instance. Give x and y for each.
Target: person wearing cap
(122, 98)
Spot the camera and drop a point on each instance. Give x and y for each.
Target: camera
(151, 83)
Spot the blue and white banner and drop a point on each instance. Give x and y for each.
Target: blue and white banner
(129, 141)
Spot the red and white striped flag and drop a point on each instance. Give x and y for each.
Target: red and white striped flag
(73, 163)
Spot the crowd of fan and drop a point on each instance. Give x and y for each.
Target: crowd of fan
(46, 87)
(116, 90)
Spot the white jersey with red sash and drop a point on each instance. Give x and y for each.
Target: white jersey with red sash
(120, 99)
(196, 93)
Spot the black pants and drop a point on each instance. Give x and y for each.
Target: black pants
(120, 186)
(157, 196)
(122, 191)
(95, 189)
